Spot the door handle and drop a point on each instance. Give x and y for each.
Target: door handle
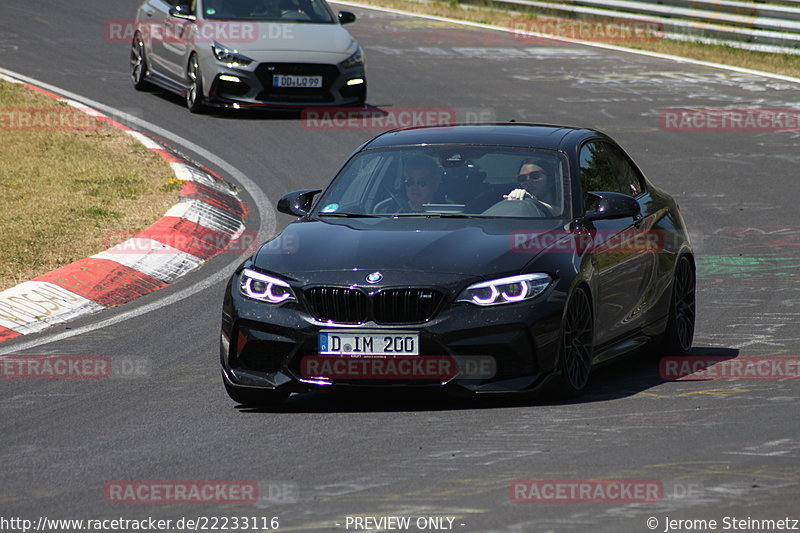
(149, 12)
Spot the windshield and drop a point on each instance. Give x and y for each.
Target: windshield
(480, 181)
(268, 10)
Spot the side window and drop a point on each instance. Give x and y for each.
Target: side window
(603, 167)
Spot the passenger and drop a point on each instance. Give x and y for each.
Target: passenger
(533, 185)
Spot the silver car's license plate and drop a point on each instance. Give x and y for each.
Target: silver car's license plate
(307, 82)
(348, 342)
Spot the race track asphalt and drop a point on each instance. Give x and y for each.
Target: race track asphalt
(718, 448)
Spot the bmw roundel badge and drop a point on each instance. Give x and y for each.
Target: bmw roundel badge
(375, 277)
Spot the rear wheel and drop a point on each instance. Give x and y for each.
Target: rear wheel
(254, 397)
(194, 92)
(680, 326)
(138, 64)
(577, 345)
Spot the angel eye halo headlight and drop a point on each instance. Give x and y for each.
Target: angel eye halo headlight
(506, 290)
(265, 288)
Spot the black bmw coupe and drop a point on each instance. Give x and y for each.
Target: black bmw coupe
(477, 258)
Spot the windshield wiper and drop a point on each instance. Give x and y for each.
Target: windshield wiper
(453, 215)
(435, 215)
(347, 215)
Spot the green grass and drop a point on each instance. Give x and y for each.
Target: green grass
(70, 192)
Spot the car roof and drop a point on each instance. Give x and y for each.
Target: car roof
(501, 133)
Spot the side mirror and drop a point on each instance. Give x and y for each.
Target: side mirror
(298, 203)
(181, 11)
(346, 17)
(613, 205)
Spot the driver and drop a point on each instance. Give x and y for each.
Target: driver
(267, 8)
(533, 184)
(421, 182)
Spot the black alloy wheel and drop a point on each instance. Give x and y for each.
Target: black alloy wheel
(680, 327)
(577, 345)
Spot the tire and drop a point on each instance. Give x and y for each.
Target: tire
(254, 397)
(194, 92)
(576, 347)
(138, 64)
(679, 334)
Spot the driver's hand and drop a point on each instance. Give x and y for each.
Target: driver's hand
(517, 194)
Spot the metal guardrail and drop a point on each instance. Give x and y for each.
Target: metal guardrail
(761, 26)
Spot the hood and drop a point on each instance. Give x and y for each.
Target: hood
(297, 37)
(480, 248)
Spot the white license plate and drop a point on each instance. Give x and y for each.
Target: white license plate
(309, 82)
(345, 342)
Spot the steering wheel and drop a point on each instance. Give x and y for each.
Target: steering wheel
(395, 198)
(527, 208)
(540, 206)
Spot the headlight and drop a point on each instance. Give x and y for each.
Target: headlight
(505, 290)
(354, 60)
(265, 288)
(230, 57)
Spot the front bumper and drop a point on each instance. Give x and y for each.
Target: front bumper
(252, 87)
(262, 346)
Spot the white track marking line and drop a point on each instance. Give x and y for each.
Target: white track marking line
(576, 41)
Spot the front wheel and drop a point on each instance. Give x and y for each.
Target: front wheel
(577, 345)
(138, 64)
(194, 92)
(680, 326)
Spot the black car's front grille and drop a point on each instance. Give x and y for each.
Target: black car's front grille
(390, 306)
(345, 306)
(405, 306)
(266, 71)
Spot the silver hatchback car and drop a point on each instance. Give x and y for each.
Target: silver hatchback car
(248, 53)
